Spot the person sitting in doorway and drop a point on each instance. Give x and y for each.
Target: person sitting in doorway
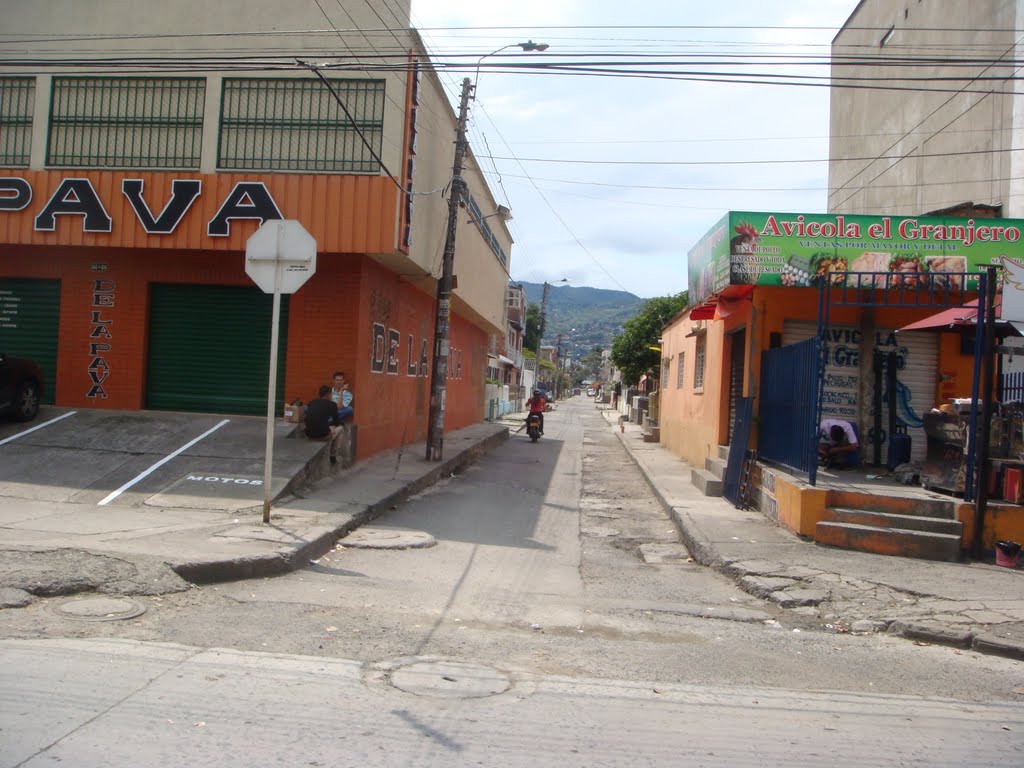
(837, 444)
(323, 423)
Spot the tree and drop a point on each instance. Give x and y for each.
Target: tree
(590, 365)
(631, 349)
(532, 326)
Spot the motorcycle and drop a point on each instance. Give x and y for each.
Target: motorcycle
(533, 427)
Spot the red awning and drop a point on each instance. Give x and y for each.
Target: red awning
(705, 311)
(956, 318)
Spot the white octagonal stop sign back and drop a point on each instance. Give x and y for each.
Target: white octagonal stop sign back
(280, 244)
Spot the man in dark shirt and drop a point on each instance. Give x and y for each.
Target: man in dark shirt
(322, 421)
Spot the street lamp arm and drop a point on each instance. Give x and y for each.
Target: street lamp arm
(529, 45)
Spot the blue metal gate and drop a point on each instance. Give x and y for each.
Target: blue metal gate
(789, 404)
(738, 449)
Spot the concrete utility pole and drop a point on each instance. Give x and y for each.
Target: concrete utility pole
(439, 367)
(560, 367)
(540, 331)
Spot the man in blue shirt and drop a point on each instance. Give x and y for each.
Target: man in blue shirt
(342, 396)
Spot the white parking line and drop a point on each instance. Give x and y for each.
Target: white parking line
(38, 426)
(159, 464)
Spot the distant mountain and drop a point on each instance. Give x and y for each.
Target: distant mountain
(586, 317)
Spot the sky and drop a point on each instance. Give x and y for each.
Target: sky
(657, 162)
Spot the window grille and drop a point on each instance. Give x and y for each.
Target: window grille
(680, 370)
(666, 364)
(17, 100)
(126, 122)
(698, 369)
(298, 125)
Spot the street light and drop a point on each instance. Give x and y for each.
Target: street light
(439, 366)
(528, 46)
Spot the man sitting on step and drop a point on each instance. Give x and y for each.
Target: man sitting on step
(837, 444)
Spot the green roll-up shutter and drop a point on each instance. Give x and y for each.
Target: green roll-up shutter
(209, 346)
(29, 320)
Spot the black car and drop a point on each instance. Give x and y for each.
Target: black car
(21, 386)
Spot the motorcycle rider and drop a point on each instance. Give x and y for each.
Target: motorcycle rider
(537, 404)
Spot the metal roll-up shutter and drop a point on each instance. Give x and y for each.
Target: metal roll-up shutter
(29, 324)
(916, 378)
(737, 355)
(842, 373)
(209, 346)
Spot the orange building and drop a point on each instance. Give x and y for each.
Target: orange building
(754, 289)
(127, 196)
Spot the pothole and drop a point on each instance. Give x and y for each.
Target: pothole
(100, 609)
(450, 680)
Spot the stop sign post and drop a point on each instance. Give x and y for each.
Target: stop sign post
(280, 257)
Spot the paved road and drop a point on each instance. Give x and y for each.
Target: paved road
(117, 703)
(551, 558)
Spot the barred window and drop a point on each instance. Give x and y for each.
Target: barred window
(17, 99)
(126, 122)
(681, 370)
(298, 125)
(698, 369)
(666, 364)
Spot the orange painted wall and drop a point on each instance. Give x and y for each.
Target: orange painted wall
(345, 214)
(330, 328)
(394, 406)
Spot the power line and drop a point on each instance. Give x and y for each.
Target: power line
(794, 161)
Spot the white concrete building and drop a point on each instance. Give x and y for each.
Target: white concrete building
(942, 121)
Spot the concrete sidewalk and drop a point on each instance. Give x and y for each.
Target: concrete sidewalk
(204, 545)
(975, 605)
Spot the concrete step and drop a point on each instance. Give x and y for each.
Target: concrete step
(706, 482)
(716, 466)
(942, 509)
(889, 541)
(889, 520)
(723, 452)
(652, 435)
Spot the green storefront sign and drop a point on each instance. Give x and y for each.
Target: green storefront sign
(801, 250)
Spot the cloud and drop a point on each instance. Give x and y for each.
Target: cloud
(631, 237)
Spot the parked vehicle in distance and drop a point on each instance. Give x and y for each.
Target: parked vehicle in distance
(21, 387)
(590, 392)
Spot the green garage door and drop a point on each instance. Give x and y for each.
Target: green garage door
(29, 319)
(209, 346)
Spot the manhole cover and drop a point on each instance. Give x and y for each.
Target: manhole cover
(100, 609)
(450, 680)
(382, 538)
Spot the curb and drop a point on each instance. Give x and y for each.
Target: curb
(982, 642)
(703, 552)
(277, 563)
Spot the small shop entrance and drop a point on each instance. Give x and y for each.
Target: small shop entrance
(209, 346)
(29, 322)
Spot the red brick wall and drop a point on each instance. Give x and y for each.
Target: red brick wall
(331, 327)
(393, 406)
